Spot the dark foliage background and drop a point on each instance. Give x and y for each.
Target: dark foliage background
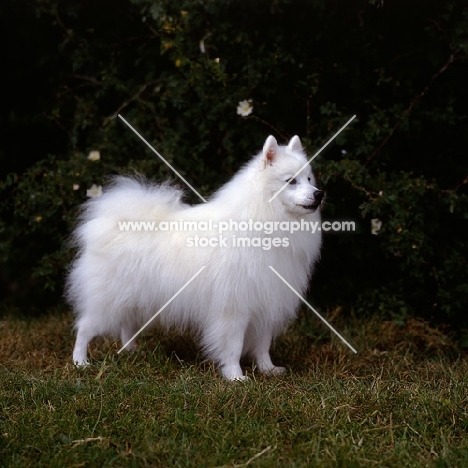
(71, 67)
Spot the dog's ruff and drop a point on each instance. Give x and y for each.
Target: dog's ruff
(236, 305)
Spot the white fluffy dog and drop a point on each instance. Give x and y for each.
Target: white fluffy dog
(236, 305)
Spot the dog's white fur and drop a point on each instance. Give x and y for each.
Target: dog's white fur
(120, 279)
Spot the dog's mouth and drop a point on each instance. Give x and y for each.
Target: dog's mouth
(312, 207)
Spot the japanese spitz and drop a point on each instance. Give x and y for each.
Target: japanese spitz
(236, 305)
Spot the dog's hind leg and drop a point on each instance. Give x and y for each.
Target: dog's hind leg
(86, 332)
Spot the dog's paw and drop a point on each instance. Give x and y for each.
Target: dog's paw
(233, 372)
(242, 378)
(276, 370)
(81, 363)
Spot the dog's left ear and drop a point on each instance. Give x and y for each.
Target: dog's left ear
(270, 150)
(295, 145)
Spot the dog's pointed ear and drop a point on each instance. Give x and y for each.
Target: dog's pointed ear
(270, 150)
(295, 145)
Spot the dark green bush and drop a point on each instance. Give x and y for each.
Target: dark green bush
(177, 71)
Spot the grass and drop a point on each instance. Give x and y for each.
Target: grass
(400, 402)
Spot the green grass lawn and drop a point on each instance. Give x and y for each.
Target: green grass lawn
(400, 402)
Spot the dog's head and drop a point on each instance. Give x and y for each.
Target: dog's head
(290, 176)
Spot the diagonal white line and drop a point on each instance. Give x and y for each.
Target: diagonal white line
(312, 309)
(161, 309)
(313, 157)
(162, 159)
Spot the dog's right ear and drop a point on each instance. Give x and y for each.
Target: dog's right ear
(270, 150)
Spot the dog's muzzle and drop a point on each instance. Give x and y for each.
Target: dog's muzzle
(318, 197)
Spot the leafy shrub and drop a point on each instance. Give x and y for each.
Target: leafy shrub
(177, 71)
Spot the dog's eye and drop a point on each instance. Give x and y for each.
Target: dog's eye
(308, 178)
(292, 181)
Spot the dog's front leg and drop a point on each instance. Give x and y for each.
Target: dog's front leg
(224, 341)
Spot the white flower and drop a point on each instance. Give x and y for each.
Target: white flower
(94, 156)
(376, 224)
(94, 191)
(245, 108)
(76, 186)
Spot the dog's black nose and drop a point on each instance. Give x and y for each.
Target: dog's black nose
(318, 195)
